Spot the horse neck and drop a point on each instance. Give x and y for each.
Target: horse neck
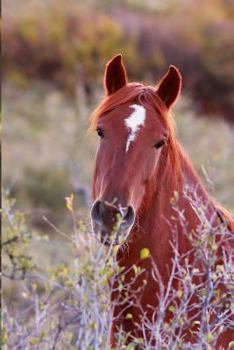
(160, 207)
(155, 219)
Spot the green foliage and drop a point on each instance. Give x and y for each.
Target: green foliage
(15, 241)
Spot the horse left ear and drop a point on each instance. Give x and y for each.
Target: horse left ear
(170, 86)
(115, 75)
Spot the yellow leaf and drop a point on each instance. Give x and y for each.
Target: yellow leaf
(179, 293)
(34, 341)
(5, 338)
(231, 345)
(65, 272)
(172, 308)
(69, 202)
(134, 269)
(144, 253)
(116, 248)
(209, 337)
(128, 316)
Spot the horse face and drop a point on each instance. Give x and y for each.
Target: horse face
(132, 138)
(131, 141)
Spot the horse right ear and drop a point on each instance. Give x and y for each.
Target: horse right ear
(170, 86)
(115, 75)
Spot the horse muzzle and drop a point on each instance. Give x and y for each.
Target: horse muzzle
(111, 223)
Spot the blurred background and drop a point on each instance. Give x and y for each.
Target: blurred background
(54, 54)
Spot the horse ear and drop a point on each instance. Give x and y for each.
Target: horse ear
(170, 86)
(115, 75)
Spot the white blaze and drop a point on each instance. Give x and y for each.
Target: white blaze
(134, 122)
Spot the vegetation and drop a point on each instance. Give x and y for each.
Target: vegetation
(70, 43)
(67, 305)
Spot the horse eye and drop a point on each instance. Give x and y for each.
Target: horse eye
(160, 144)
(100, 132)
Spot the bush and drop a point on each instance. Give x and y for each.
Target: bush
(69, 44)
(15, 241)
(64, 44)
(67, 305)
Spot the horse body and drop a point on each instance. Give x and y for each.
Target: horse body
(140, 168)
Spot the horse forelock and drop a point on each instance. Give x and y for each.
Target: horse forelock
(129, 93)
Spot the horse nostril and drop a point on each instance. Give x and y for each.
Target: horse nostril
(105, 214)
(96, 211)
(129, 217)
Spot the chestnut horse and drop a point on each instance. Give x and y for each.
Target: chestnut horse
(140, 169)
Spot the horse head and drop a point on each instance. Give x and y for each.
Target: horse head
(135, 139)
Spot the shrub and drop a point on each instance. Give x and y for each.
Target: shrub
(59, 43)
(69, 44)
(67, 306)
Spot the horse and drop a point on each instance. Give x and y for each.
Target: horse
(141, 177)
